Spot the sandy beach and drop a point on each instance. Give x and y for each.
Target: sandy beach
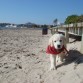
(23, 59)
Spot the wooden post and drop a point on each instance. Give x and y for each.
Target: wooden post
(78, 30)
(82, 42)
(53, 31)
(67, 35)
(56, 30)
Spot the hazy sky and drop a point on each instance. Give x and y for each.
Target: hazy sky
(38, 11)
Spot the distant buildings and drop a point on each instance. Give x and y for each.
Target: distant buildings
(26, 25)
(11, 26)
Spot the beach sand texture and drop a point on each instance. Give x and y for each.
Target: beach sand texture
(23, 59)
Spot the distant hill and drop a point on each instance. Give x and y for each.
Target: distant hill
(26, 25)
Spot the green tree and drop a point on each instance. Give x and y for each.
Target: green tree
(71, 19)
(80, 18)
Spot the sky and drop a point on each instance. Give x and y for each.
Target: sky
(38, 11)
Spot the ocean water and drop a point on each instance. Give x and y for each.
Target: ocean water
(2, 28)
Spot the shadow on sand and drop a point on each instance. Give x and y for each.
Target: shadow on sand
(74, 56)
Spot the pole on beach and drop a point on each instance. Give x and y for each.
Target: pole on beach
(67, 35)
(56, 30)
(82, 42)
(53, 31)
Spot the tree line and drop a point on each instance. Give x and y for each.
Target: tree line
(73, 19)
(70, 19)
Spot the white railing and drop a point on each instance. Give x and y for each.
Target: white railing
(74, 28)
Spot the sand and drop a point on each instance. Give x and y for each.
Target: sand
(23, 59)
